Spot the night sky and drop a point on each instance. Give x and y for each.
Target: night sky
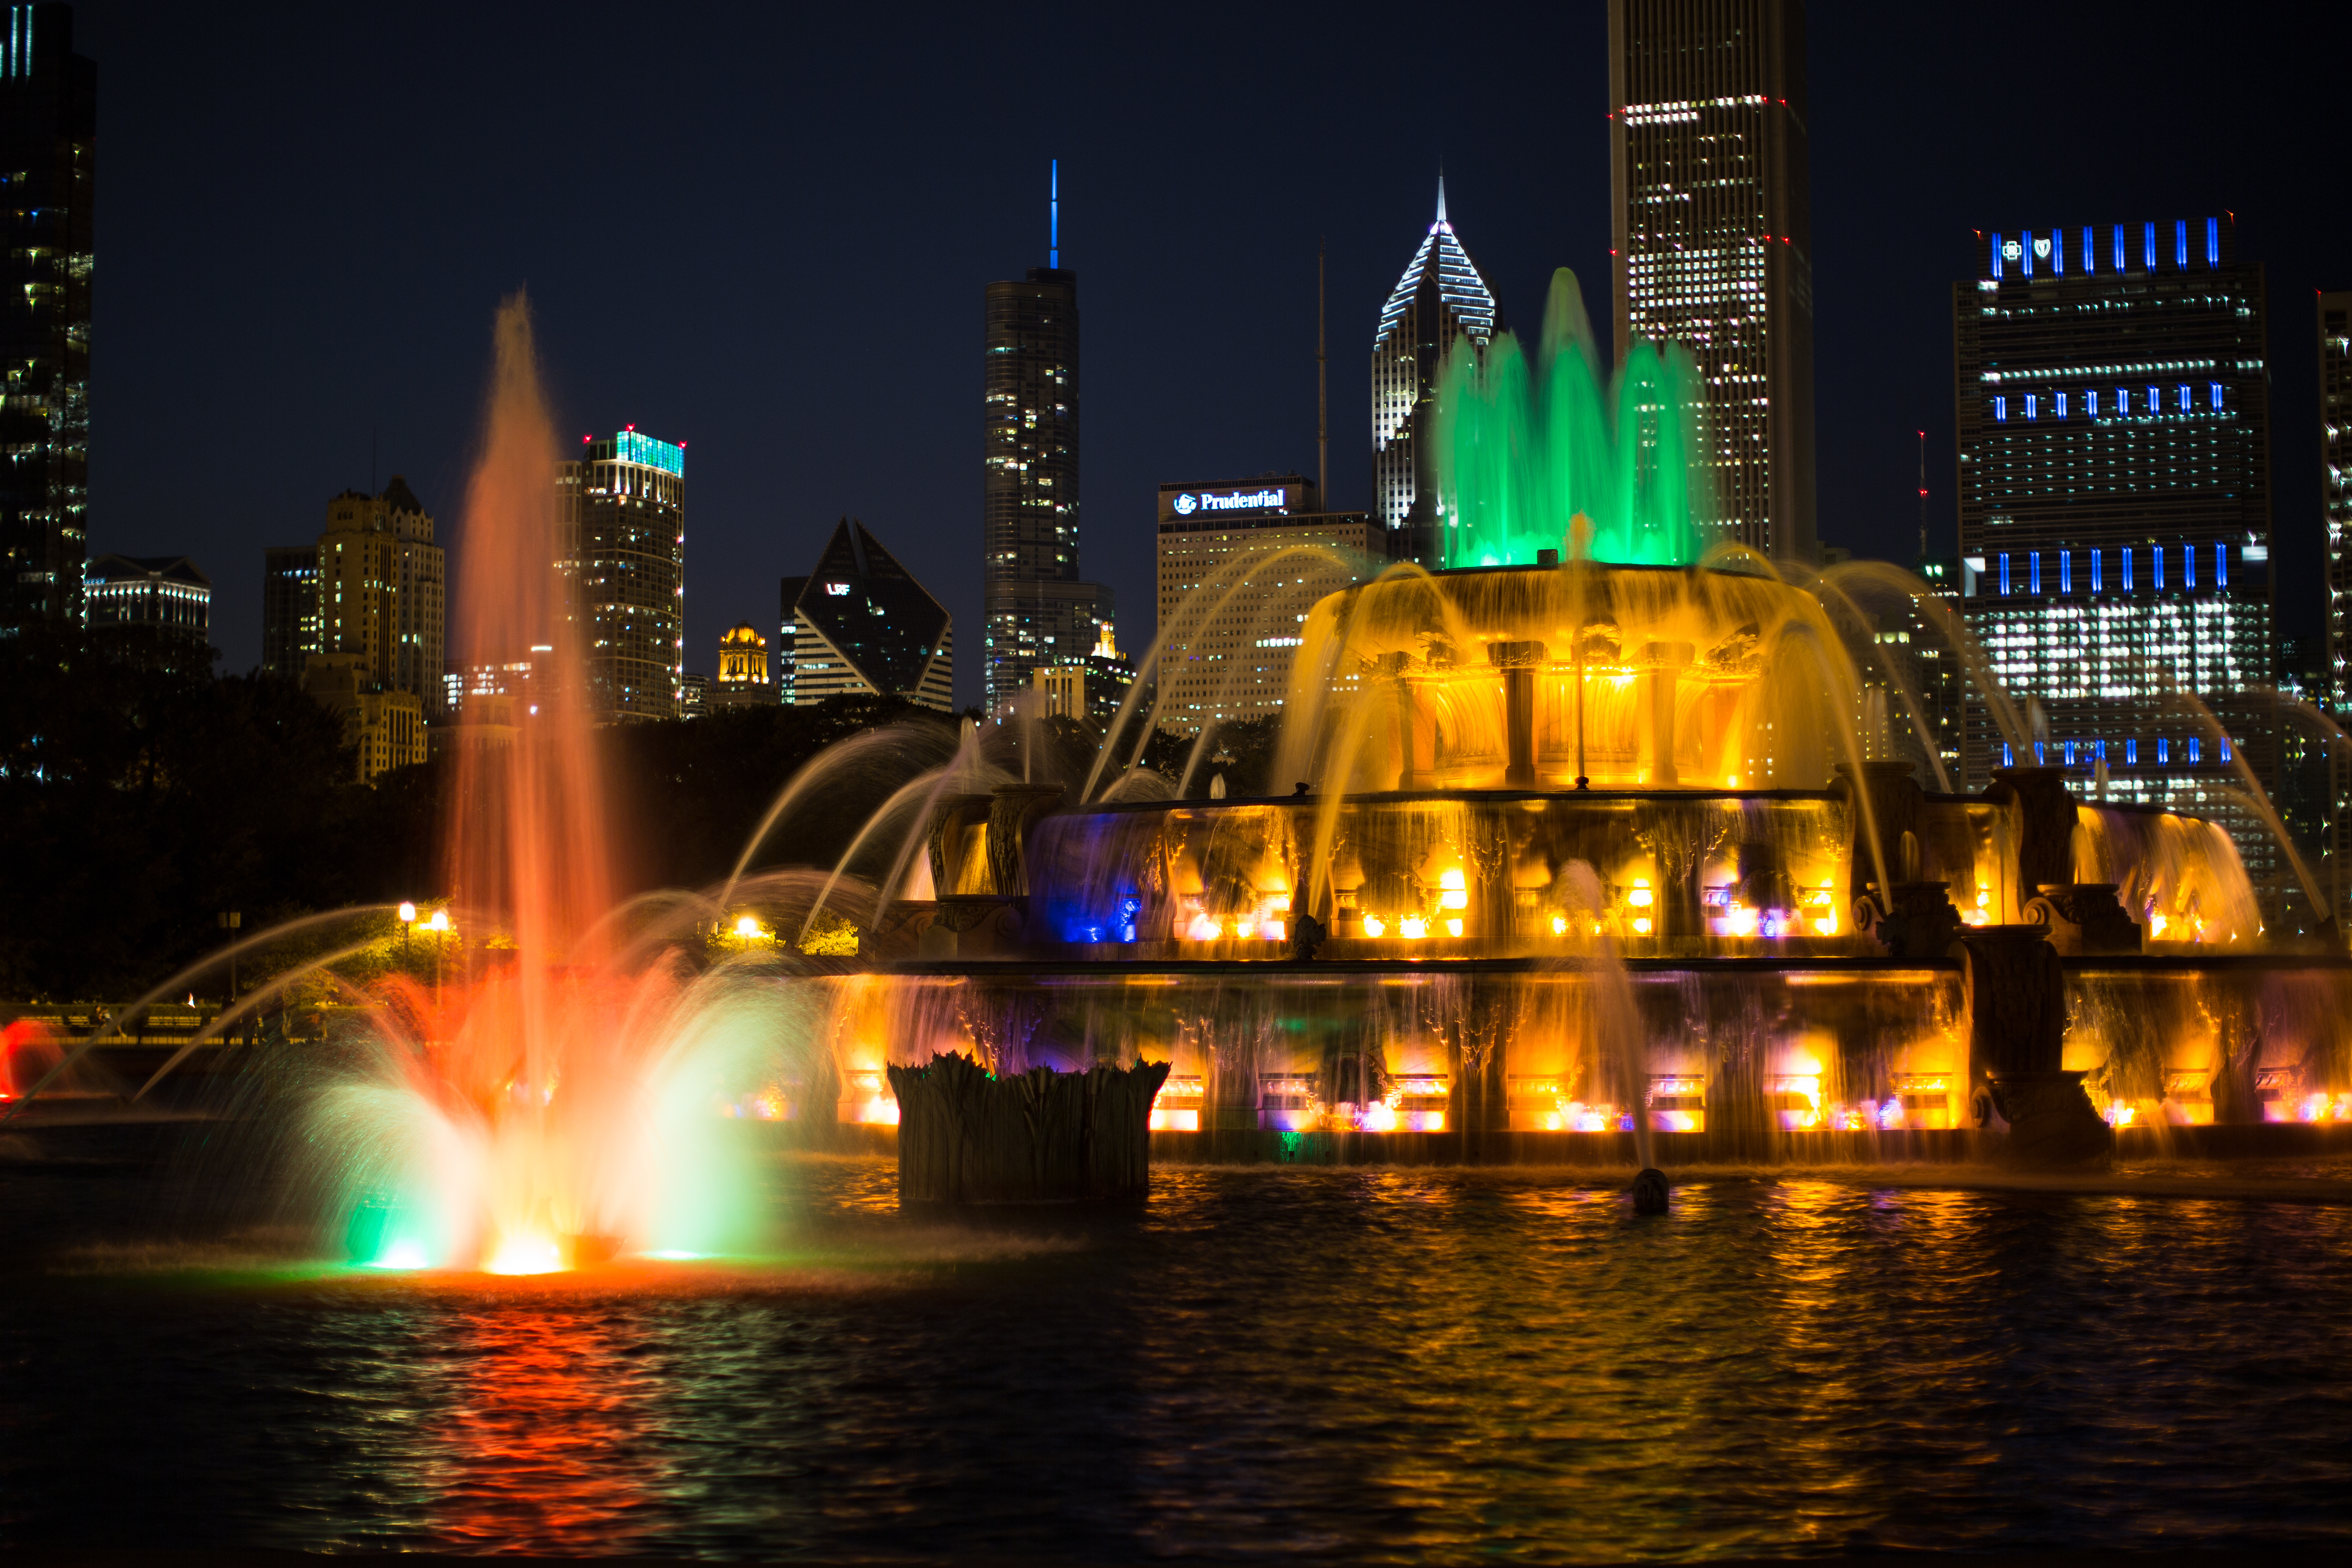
(765, 232)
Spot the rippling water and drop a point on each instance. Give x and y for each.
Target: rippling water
(1265, 1364)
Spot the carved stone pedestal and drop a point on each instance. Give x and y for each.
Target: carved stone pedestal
(2050, 1121)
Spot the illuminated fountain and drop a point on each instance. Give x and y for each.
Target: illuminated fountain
(1588, 840)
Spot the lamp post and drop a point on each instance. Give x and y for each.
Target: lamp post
(232, 919)
(747, 930)
(407, 920)
(439, 926)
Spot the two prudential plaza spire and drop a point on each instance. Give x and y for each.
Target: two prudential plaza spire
(1711, 249)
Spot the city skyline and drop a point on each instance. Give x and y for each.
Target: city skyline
(384, 354)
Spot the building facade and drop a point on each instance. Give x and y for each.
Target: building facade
(167, 598)
(48, 171)
(621, 527)
(863, 625)
(1711, 214)
(289, 609)
(1440, 300)
(1242, 563)
(1036, 608)
(379, 590)
(742, 679)
(2334, 311)
(2113, 405)
(1091, 690)
(385, 727)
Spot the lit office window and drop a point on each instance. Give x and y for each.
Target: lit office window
(2096, 585)
(2221, 565)
(2065, 571)
(2127, 572)
(2131, 754)
(2155, 553)
(2033, 570)
(2004, 574)
(2001, 408)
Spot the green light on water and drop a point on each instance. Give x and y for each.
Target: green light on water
(673, 1256)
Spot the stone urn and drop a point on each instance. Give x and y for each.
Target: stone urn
(2017, 1043)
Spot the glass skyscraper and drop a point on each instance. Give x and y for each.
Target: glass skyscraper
(1036, 610)
(862, 626)
(2336, 501)
(49, 186)
(1712, 237)
(620, 520)
(2112, 402)
(1440, 299)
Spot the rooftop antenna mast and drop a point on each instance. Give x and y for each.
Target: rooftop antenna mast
(1322, 394)
(1923, 495)
(1053, 214)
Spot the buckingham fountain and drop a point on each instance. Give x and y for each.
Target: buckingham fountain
(1591, 850)
(1591, 834)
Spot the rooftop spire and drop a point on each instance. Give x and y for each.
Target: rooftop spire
(1440, 193)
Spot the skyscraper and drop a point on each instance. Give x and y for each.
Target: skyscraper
(1713, 237)
(290, 608)
(621, 526)
(864, 626)
(49, 186)
(1036, 609)
(1440, 299)
(1242, 563)
(377, 592)
(167, 596)
(2113, 420)
(2336, 503)
(743, 679)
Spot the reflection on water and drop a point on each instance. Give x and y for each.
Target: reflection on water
(1290, 1363)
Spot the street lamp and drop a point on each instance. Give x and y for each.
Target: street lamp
(407, 920)
(439, 926)
(747, 928)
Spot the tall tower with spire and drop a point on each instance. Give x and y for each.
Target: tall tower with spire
(1440, 299)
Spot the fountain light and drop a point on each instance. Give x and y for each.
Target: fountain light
(1454, 928)
(1642, 926)
(1244, 925)
(1453, 890)
(1742, 921)
(1375, 926)
(1412, 926)
(530, 1253)
(1274, 930)
(1203, 928)
(1559, 925)
(1640, 898)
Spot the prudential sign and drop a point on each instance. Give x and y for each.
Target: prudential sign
(1185, 505)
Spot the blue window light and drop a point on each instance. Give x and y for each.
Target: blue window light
(2119, 247)
(2096, 573)
(2001, 408)
(2189, 566)
(2061, 405)
(2033, 570)
(1995, 254)
(2070, 754)
(2041, 755)
(2156, 553)
(2221, 565)
(2163, 751)
(2032, 406)
(2155, 400)
(2123, 402)
(2180, 244)
(2099, 750)
(2212, 242)
(2127, 582)
(2131, 754)
(2004, 574)
(2149, 237)
(2025, 253)
(2193, 750)
(2058, 251)
(2225, 748)
(2185, 403)
(2090, 403)
(2008, 757)
(2065, 571)
(2086, 248)
(2213, 393)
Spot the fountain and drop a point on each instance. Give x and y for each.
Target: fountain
(1591, 845)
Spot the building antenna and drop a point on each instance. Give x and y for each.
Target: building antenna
(1053, 214)
(1923, 495)
(1322, 393)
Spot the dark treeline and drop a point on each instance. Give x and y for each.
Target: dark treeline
(138, 799)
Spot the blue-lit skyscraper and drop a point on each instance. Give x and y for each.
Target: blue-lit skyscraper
(2114, 422)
